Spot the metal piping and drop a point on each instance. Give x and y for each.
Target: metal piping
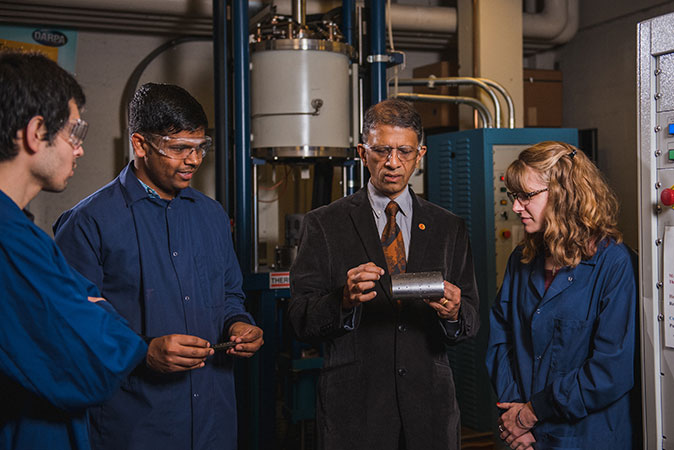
(378, 57)
(548, 23)
(174, 16)
(256, 222)
(242, 161)
(221, 94)
(299, 11)
(571, 27)
(455, 81)
(509, 100)
(347, 21)
(437, 19)
(481, 109)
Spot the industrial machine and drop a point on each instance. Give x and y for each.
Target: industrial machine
(304, 121)
(656, 226)
(466, 176)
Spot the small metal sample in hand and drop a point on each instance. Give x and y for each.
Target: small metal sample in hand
(223, 345)
(417, 286)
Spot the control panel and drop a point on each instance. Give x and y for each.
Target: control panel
(655, 63)
(508, 230)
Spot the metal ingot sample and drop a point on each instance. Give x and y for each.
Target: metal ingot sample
(419, 286)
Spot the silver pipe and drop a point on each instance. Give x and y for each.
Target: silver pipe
(355, 105)
(481, 109)
(344, 181)
(359, 20)
(361, 166)
(509, 100)
(256, 228)
(417, 286)
(450, 81)
(299, 11)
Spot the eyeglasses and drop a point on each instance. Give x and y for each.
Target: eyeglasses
(524, 197)
(180, 147)
(404, 152)
(74, 132)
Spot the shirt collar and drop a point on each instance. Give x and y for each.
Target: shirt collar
(150, 192)
(138, 190)
(379, 201)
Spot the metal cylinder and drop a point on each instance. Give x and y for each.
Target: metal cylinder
(299, 106)
(299, 11)
(417, 286)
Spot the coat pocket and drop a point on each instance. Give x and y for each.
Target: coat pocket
(571, 343)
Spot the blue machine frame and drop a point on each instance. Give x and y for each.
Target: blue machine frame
(460, 174)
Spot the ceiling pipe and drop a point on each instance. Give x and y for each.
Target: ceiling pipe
(436, 19)
(547, 24)
(572, 23)
(556, 24)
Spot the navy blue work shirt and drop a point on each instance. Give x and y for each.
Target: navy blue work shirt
(168, 267)
(569, 350)
(59, 353)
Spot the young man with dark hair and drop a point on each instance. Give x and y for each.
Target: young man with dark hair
(386, 382)
(162, 253)
(59, 352)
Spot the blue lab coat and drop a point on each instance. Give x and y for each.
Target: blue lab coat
(168, 267)
(569, 350)
(59, 353)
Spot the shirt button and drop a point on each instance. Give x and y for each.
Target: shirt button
(196, 395)
(187, 298)
(538, 311)
(402, 372)
(538, 358)
(402, 327)
(168, 207)
(175, 253)
(570, 279)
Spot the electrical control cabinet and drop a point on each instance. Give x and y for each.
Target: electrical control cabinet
(466, 172)
(655, 78)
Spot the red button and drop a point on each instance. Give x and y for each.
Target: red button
(505, 234)
(667, 197)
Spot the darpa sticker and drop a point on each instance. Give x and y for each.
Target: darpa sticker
(279, 280)
(51, 38)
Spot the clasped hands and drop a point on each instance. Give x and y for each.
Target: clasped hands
(181, 352)
(360, 283)
(515, 424)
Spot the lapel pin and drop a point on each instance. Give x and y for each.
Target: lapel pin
(422, 227)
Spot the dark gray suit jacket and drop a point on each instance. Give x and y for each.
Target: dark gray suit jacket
(392, 368)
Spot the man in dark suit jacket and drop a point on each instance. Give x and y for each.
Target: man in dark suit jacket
(386, 381)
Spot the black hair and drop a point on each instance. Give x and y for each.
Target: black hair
(393, 112)
(33, 85)
(164, 109)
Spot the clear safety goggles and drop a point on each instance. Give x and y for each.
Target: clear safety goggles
(75, 131)
(181, 147)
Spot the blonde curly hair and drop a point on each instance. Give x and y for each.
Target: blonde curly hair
(581, 210)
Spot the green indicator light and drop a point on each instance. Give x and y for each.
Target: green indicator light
(670, 154)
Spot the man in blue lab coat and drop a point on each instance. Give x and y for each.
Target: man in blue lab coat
(59, 352)
(162, 253)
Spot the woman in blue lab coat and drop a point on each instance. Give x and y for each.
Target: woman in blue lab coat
(562, 336)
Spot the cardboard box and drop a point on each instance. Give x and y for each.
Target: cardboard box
(542, 98)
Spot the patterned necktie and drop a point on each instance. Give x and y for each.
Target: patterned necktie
(392, 241)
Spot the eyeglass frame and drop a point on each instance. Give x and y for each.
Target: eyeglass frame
(207, 139)
(389, 152)
(512, 196)
(75, 131)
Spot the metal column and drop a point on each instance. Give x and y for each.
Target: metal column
(221, 124)
(242, 212)
(378, 50)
